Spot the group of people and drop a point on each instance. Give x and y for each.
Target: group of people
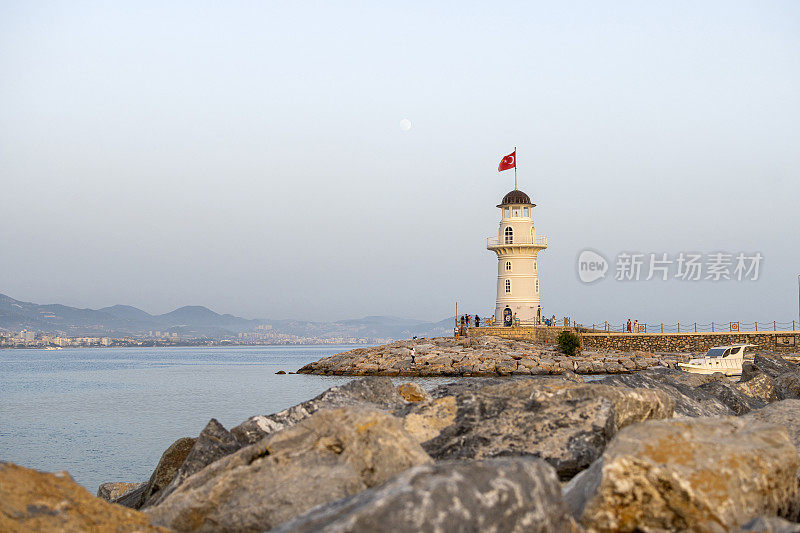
(469, 321)
(635, 326)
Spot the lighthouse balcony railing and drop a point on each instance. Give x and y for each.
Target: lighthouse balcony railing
(539, 240)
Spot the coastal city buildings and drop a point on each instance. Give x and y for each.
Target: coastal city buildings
(517, 247)
(32, 339)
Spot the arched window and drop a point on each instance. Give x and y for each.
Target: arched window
(508, 286)
(508, 265)
(509, 236)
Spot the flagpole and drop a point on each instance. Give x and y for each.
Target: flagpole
(515, 168)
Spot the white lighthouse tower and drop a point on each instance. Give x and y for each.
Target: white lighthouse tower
(517, 246)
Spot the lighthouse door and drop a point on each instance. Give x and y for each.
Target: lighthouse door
(507, 317)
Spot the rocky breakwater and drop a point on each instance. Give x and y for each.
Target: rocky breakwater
(482, 356)
(653, 451)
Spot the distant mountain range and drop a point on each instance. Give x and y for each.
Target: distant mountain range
(199, 321)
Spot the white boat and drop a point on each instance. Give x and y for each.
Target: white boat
(725, 359)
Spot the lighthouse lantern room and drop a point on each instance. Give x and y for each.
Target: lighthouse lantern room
(517, 247)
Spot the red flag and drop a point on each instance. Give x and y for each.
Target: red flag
(509, 161)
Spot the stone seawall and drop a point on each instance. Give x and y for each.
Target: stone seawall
(776, 341)
(520, 333)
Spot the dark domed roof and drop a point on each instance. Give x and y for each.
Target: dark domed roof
(515, 197)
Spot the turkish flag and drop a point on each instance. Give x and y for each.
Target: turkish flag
(509, 161)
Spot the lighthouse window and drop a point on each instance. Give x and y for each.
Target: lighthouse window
(537, 285)
(509, 236)
(508, 286)
(525, 211)
(515, 212)
(505, 212)
(508, 265)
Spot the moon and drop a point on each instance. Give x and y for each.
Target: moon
(405, 124)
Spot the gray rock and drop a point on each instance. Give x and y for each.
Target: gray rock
(785, 413)
(565, 423)
(132, 498)
(689, 400)
(506, 494)
(330, 455)
(728, 393)
(374, 392)
(784, 375)
(213, 443)
(773, 365)
(758, 385)
(112, 490)
(464, 385)
(770, 524)
(171, 461)
(702, 474)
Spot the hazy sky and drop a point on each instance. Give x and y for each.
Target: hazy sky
(248, 156)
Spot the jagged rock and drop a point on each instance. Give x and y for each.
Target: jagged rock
(565, 423)
(784, 375)
(785, 413)
(133, 498)
(411, 392)
(171, 461)
(425, 420)
(112, 490)
(689, 400)
(773, 365)
(464, 385)
(38, 501)
(213, 443)
(769, 524)
(508, 494)
(758, 385)
(728, 393)
(374, 392)
(704, 474)
(330, 455)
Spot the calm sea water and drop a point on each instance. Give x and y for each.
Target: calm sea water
(107, 414)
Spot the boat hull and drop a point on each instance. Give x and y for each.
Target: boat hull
(704, 369)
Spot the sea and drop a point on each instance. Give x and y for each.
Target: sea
(107, 414)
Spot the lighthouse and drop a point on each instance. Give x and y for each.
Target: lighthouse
(517, 247)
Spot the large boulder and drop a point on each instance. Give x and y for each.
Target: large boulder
(729, 394)
(213, 443)
(411, 392)
(330, 455)
(565, 423)
(785, 413)
(769, 524)
(758, 385)
(38, 501)
(168, 466)
(112, 490)
(373, 392)
(689, 399)
(425, 420)
(505, 494)
(784, 375)
(704, 474)
(774, 365)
